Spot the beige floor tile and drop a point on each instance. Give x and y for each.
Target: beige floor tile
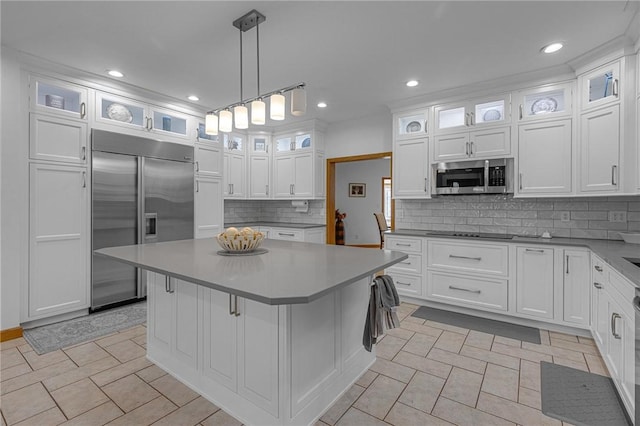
(130, 392)
(422, 391)
(450, 341)
(420, 344)
(367, 378)
(447, 327)
(140, 340)
(393, 369)
(173, 389)
(13, 343)
(389, 347)
(464, 415)
(578, 347)
(562, 336)
(51, 417)
(341, 406)
(100, 415)
(414, 320)
(513, 411)
(507, 341)
(501, 381)
(354, 417)
(40, 361)
(463, 386)
(15, 371)
(579, 365)
(25, 348)
(517, 352)
(146, 414)
(425, 365)
(26, 402)
(86, 353)
(120, 371)
(151, 373)
(220, 418)
(80, 373)
(586, 341)
(530, 375)
(378, 399)
(479, 339)
(401, 333)
(544, 337)
(121, 336)
(192, 413)
(403, 415)
(36, 376)
(596, 365)
(10, 358)
(553, 350)
(530, 397)
(461, 361)
(79, 397)
(126, 350)
(490, 356)
(422, 329)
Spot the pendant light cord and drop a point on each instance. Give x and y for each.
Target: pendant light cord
(258, 53)
(241, 97)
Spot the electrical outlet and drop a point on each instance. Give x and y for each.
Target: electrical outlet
(565, 216)
(620, 217)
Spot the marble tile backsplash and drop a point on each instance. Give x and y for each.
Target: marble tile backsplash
(588, 217)
(272, 211)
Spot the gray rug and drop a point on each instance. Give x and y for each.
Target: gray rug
(499, 328)
(51, 337)
(580, 398)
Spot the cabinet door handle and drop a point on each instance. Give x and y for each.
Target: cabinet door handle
(597, 285)
(233, 188)
(598, 268)
(614, 169)
(197, 166)
(466, 148)
(83, 109)
(426, 184)
(454, 256)
(534, 250)
(83, 154)
(231, 311)
(567, 257)
(235, 306)
(520, 181)
(521, 111)
(614, 317)
(466, 119)
(84, 179)
(468, 290)
(197, 135)
(167, 284)
(197, 186)
(472, 118)
(615, 87)
(266, 190)
(471, 147)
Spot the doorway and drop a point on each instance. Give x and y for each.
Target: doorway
(331, 192)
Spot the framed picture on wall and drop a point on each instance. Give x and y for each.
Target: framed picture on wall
(357, 190)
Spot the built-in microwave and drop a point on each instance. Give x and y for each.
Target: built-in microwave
(474, 177)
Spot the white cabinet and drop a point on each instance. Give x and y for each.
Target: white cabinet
(490, 111)
(308, 235)
(600, 86)
(407, 275)
(234, 175)
(544, 157)
(576, 287)
(411, 124)
(599, 279)
(208, 159)
(57, 97)
(486, 143)
(291, 177)
(57, 139)
(208, 207)
(545, 102)
(259, 173)
(58, 240)
(600, 150)
(535, 282)
(411, 169)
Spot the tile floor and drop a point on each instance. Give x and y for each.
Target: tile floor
(426, 374)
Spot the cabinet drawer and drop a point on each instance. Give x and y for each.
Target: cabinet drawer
(468, 291)
(286, 234)
(477, 258)
(408, 285)
(412, 265)
(409, 245)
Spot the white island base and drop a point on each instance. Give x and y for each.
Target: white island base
(263, 364)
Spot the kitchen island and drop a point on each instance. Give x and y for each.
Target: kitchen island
(274, 338)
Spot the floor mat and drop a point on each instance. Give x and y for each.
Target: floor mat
(499, 328)
(62, 334)
(579, 397)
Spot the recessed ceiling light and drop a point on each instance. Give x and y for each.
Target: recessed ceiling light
(115, 73)
(412, 83)
(553, 47)
(322, 104)
(193, 98)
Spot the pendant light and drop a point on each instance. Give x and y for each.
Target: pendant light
(298, 102)
(277, 107)
(211, 124)
(226, 121)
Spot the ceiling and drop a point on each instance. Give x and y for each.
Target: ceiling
(356, 56)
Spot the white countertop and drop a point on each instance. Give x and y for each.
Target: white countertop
(290, 273)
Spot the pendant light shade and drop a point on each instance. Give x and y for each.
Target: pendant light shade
(211, 124)
(258, 112)
(226, 121)
(241, 114)
(298, 102)
(277, 107)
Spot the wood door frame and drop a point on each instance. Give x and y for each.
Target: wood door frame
(331, 188)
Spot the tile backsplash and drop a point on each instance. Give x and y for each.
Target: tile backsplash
(587, 217)
(272, 211)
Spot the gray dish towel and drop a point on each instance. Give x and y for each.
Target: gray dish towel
(381, 314)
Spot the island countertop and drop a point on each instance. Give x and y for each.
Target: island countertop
(289, 273)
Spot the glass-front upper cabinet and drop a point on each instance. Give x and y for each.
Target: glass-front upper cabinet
(166, 121)
(202, 136)
(233, 142)
(295, 142)
(58, 97)
(544, 102)
(284, 143)
(259, 144)
(490, 111)
(120, 111)
(411, 124)
(600, 86)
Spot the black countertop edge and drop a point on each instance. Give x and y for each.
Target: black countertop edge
(275, 225)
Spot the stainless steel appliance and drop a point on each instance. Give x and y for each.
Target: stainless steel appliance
(141, 192)
(474, 177)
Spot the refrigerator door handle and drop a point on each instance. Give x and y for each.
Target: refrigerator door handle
(150, 226)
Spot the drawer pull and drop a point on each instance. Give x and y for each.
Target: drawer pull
(406, 263)
(453, 256)
(534, 250)
(403, 245)
(598, 268)
(468, 290)
(286, 234)
(597, 285)
(401, 283)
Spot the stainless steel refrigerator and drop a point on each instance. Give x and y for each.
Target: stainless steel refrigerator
(141, 192)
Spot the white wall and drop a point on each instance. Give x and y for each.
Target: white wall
(360, 226)
(366, 135)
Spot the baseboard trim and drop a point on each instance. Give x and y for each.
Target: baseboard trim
(364, 245)
(10, 334)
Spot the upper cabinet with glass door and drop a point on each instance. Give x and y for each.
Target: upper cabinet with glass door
(412, 124)
(202, 136)
(58, 97)
(293, 142)
(467, 115)
(259, 144)
(600, 86)
(234, 143)
(544, 102)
